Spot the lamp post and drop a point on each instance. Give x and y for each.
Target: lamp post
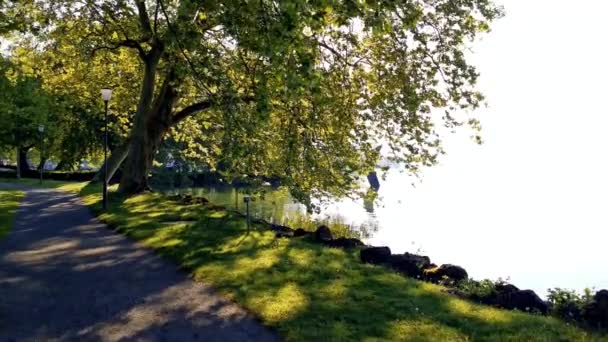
(41, 130)
(106, 94)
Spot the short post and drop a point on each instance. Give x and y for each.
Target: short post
(247, 199)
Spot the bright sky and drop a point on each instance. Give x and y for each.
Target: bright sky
(529, 203)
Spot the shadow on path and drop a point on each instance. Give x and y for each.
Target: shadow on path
(65, 276)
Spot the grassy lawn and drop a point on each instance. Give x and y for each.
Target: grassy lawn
(308, 292)
(51, 184)
(9, 202)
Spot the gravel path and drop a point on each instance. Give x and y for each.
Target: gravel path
(66, 277)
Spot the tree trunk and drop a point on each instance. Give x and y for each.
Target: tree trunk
(135, 176)
(65, 165)
(18, 165)
(41, 164)
(23, 164)
(132, 180)
(117, 156)
(146, 136)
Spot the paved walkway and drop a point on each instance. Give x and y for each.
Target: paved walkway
(66, 277)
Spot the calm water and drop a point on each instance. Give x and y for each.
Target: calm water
(407, 221)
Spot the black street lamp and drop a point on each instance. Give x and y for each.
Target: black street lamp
(106, 94)
(41, 130)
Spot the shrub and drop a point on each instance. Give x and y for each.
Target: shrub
(477, 290)
(568, 304)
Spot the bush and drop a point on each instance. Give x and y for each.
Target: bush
(569, 305)
(477, 290)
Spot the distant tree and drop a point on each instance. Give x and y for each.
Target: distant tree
(23, 106)
(70, 132)
(73, 78)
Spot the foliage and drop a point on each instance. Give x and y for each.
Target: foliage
(309, 292)
(565, 304)
(9, 201)
(478, 289)
(568, 304)
(313, 92)
(76, 76)
(17, 15)
(23, 106)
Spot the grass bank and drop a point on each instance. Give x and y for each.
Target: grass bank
(9, 202)
(309, 292)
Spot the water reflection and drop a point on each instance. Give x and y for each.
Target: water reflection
(278, 207)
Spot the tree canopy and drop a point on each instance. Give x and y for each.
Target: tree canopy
(313, 92)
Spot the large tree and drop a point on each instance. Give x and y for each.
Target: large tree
(312, 91)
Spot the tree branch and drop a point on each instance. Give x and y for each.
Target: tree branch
(189, 110)
(144, 19)
(199, 107)
(335, 53)
(156, 18)
(130, 43)
(135, 45)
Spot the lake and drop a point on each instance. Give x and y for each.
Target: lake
(407, 220)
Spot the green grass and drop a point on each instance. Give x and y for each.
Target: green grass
(308, 292)
(51, 184)
(9, 202)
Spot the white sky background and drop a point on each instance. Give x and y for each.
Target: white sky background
(531, 202)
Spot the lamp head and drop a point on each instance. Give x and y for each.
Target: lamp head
(40, 128)
(106, 94)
